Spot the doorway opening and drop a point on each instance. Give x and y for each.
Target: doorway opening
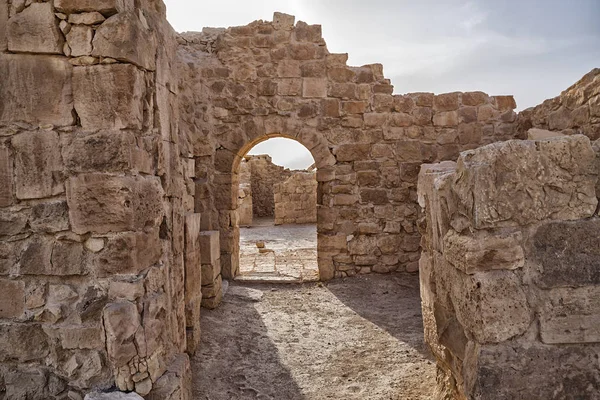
(277, 213)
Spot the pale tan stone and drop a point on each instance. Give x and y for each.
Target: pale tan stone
(89, 18)
(105, 7)
(12, 298)
(109, 96)
(79, 40)
(38, 165)
(210, 250)
(314, 87)
(39, 88)
(35, 30)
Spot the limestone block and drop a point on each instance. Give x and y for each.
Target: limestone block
(483, 251)
(474, 98)
(535, 134)
(79, 40)
(533, 371)
(3, 24)
(12, 223)
(314, 87)
(105, 7)
(210, 249)
(42, 256)
(193, 269)
(176, 383)
(88, 18)
(352, 152)
(520, 182)
(125, 37)
(568, 253)
(109, 96)
(6, 178)
(50, 216)
(12, 298)
(491, 305)
(39, 89)
(100, 203)
(113, 396)
(121, 323)
(570, 315)
(129, 253)
(446, 102)
(35, 30)
(38, 165)
(22, 342)
(105, 151)
(447, 118)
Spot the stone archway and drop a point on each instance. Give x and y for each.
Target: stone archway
(227, 182)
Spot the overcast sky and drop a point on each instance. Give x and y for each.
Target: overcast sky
(531, 49)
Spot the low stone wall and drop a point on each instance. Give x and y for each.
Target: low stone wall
(509, 270)
(264, 176)
(296, 199)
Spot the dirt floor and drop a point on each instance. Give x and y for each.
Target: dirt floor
(290, 253)
(358, 338)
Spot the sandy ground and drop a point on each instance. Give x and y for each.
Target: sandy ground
(358, 338)
(290, 254)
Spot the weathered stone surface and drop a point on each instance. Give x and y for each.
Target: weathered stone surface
(39, 89)
(536, 134)
(567, 253)
(129, 253)
(121, 322)
(210, 250)
(101, 203)
(35, 30)
(6, 178)
(109, 96)
(483, 251)
(79, 40)
(113, 396)
(12, 298)
(88, 18)
(3, 23)
(38, 165)
(22, 342)
(105, 7)
(126, 38)
(526, 371)
(176, 383)
(491, 305)
(49, 217)
(521, 182)
(570, 315)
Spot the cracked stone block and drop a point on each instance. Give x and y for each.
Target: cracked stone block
(129, 253)
(38, 165)
(79, 40)
(35, 30)
(39, 88)
(22, 342)
(101, 203)
(109, 96)
(210, 251)
(105, 7)
(12, 298)
(126, 37)
(521, 182)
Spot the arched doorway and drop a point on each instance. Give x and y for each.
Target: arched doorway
(227, 179)
(277, 213)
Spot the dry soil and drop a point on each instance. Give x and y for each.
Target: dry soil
(358, 338)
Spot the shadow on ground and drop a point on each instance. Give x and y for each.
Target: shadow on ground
(242, 362)
(391, 301)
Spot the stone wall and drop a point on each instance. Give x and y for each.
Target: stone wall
(242, 85)
(264, 176)
(245, 213)
(575, 111)
(296, 199)
(97, 231)
(509, 270)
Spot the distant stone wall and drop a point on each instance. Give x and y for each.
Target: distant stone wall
(576, 110)
(243, 85)
(296, 199)
(264, 176)
(245, 213)
(509, 270)
(97, 230)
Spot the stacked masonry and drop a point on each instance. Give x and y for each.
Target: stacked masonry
(296, 199)
(95, 195)
(510, 270)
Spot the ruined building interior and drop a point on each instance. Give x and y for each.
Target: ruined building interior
(122, 148)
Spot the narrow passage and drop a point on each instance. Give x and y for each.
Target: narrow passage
(358, 338)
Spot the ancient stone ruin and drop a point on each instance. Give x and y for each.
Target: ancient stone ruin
(121, 146)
